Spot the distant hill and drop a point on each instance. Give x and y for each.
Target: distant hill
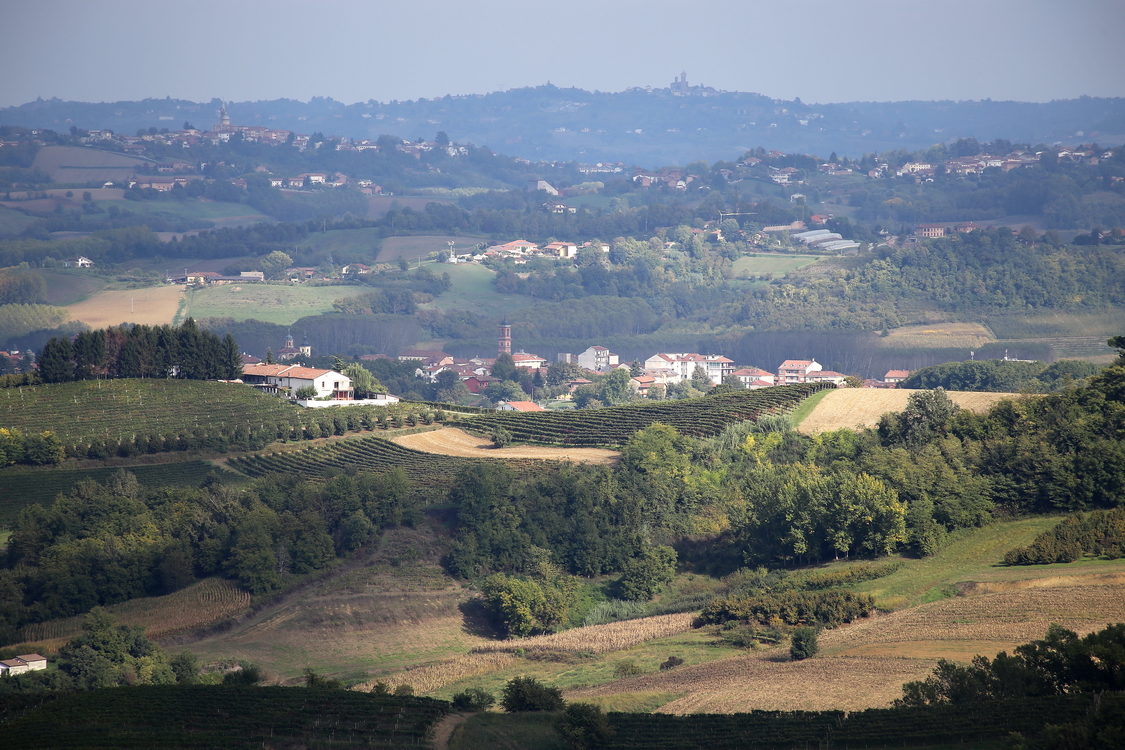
(638, 126)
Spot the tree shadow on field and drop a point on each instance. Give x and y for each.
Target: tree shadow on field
(478, 621)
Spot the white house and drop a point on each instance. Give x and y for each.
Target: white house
(796, 370)
(683, 365)
(597, 358)
(328, 383)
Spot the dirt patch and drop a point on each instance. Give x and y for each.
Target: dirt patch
(850, 408)
(444, 729)
(454, 442)
(153, 306)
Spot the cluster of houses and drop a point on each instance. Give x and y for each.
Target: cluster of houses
(661, 369)
(521, 250)
(22, 663)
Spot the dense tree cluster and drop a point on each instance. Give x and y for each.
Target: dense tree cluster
(1061, 663)
(103, 544)
(107, 655)
(1002, 376)
(141, 351)
(1100, 532)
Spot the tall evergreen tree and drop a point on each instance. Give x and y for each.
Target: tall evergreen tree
(55, 364)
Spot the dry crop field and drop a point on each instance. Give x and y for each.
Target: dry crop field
(379, 614)
(861, 407)
(205, 603)
(864, 664)
(938, 335)
(599, 639)
(454, 442)
(152, 306)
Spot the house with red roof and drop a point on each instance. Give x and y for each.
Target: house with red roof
(796, 371)
(292, 378)
(519, 406)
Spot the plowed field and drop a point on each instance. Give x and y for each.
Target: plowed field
(454, 442)
(153, 306)
(862, 407)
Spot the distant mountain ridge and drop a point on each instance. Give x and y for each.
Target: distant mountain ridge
(638, 126)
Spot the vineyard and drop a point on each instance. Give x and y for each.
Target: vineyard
(205, 603)
(24, 487)
(698, 417)
(200, 716)
(129, 417)
(875, 727)
(372, 454)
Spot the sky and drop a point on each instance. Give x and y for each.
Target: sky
(822, 51)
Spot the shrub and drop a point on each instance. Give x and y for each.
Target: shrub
(501, 438)
(672, 663)
(626, 668)
(473, 699)
(803, 644)
(404, 690)
(381, 688)
(529, 694)
(583, 725)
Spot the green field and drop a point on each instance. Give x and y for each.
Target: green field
(19, 488)
(346, 243)
(472, 290)
(775, 263)
(207, 210)
(13, 222)
(419, 246)
(279, 303)
(65, 287)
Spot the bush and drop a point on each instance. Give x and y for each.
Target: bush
(803, 644)
(529, 694)
(501, 438)
(626, 668)
(404, 690)
(672, 663)
(583, 725)
(473, 699)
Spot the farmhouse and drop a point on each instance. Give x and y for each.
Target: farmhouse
(274, 378)
(519, 406)
(894, 377)
(22, 663)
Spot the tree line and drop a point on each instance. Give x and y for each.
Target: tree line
(141, 351)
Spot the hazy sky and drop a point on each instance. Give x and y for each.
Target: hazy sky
(356, 50)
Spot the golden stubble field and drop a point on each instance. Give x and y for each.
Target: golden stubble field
(864, 665)
(861, 407)
(454, 442)
(152, 306)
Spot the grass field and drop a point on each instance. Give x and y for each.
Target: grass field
(862, 407)
(419, 246)
(152, 306)
(472, 290)
(777, 264)
(76, 164)
(271, 303)
(222, 213)
(378, 205)
(19, 488)
(360, 243)
(13, 222)
(202, 604)
(495, 730)
(68, 287)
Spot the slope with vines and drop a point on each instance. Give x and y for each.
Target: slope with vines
(611, 426)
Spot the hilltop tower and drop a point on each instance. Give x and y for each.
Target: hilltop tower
(224, 118)
(505, 343)
(306, 347)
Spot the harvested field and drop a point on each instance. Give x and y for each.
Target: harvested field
(76, 164)
(433, 677)
(861, 407)
(454, 442)
(938, 335)
(599, 639)
(769, 681)
(864, 664)
(152, 306)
